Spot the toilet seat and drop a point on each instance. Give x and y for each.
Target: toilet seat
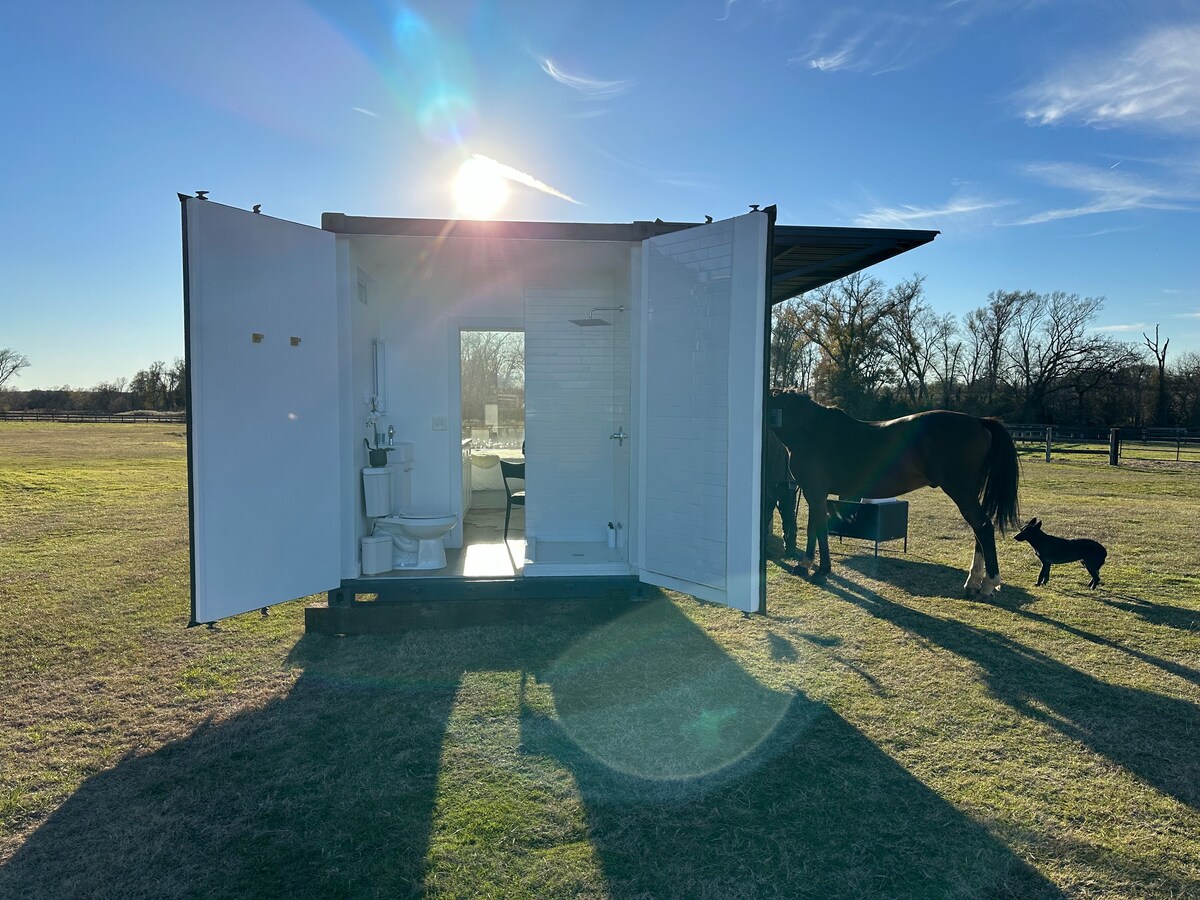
(421, 518)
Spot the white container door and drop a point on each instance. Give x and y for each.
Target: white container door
(701, 387)
(264, 451)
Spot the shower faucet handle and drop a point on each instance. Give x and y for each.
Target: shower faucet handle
(619, 436)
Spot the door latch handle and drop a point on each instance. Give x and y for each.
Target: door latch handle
(619, 436)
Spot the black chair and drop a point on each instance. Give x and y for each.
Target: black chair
(515, 471)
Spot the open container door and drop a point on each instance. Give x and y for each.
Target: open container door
(261, 336)
(701, 368)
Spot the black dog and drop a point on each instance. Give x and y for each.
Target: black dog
(1053, 550)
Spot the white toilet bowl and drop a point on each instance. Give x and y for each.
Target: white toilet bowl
(417, 540)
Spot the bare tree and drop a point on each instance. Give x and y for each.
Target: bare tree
(988, 329)
(909, 329)
(149, 387)
(175, 385)
(845, 320)
(1049, 343)
(1162, 400)
(493, 362)
(793, 355)
(946, 356)
(1185, 383)
(11, 364)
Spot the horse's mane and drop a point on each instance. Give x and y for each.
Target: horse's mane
(792, 397)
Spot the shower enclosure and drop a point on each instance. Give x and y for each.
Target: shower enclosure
(578, 406)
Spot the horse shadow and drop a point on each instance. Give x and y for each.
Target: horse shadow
(694, 779)
(1148, 734)
(924, 578)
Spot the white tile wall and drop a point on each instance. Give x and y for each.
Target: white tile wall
(577, 391)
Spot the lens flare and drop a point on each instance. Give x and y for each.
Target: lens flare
(479, 189)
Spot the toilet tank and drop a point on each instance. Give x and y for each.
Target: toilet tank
(377, 491)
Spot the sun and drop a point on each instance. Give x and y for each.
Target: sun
(479, 190)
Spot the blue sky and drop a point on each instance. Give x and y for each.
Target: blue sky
(1052, 142)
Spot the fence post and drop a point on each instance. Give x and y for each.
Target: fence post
(1049, 440)
(1114, 446)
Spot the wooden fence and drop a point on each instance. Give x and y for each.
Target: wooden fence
(1179, 444)
(138, 417)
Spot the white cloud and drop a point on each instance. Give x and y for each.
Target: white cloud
(1121, 329)
(1154, 81)
(1106, 190)
(592, 88)
(881, 42)
(907, 216)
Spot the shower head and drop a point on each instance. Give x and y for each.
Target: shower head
(592, 320)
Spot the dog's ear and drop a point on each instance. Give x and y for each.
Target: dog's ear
(1036, 523)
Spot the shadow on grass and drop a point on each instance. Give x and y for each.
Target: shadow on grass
(929, 579)
(1179, 617)
(1178, 669)
(698, 780)
(326, 792)
(695, 779)
(1148, 734)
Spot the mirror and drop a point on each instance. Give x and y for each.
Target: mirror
(380, 352)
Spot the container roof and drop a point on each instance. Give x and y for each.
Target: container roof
(804, 257)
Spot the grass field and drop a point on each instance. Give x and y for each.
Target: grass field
(877, 736)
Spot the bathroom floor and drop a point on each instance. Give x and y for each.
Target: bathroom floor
(484, 553)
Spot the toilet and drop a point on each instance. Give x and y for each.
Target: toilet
(417, 537)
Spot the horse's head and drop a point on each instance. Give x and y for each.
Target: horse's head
(1029, 528)
(789, 409)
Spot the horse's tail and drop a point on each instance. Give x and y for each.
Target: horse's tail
(999, 494)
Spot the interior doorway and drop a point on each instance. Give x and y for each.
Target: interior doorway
(492, 398)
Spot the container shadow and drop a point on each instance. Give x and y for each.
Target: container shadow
(698, 780)
(695, 780)
(326, 792)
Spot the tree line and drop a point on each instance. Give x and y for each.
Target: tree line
(159, 387)
(878, 352)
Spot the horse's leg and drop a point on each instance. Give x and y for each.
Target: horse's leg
(787, 511)
(818, 530)
(976, 573)
(984, 578)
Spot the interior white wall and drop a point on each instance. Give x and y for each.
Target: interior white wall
(424, 290)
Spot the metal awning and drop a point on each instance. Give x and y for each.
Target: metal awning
(807, 257)
(804, 257)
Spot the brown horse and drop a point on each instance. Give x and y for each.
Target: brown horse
(973, 460)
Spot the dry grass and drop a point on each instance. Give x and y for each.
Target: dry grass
(877, 736)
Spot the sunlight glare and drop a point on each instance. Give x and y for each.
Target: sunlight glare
(479, 189)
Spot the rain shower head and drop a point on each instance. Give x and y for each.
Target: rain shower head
(592, 320)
